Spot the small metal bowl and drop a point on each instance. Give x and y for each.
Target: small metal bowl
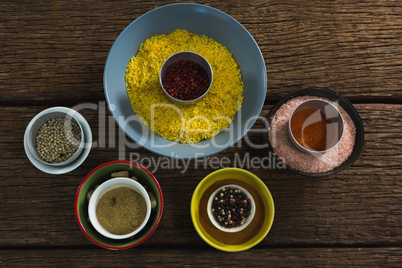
(43, 117)
(187, 56)
(334, 129)
(237, 228)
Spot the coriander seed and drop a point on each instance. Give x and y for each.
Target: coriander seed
(57, 140)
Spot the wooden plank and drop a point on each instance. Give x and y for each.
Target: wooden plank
(359, 206)
(61, 46)
(204, 257)
(350, 47)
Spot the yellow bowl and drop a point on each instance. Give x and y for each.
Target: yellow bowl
(253, 181)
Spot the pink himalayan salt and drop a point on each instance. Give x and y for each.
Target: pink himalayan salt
(296, 159)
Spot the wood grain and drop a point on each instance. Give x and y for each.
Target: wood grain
(53, 53)
(359, 206)
(352, 47)
(204, 257)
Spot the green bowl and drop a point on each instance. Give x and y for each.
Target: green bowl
(98, 176)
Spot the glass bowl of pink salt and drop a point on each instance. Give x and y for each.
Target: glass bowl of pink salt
(186, 77)
(315, 126)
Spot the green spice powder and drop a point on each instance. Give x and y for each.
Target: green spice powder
(121, 210)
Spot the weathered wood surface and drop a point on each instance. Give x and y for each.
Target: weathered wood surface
(352, 47)
(53, 53)
(204, 257)
(359, 206)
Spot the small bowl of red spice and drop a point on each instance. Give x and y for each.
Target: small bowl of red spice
(186, 77)
(315, 126)
(321, 164)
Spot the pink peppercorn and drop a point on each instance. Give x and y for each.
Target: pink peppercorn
(185, 80)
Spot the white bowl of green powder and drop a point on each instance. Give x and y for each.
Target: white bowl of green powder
(119, 208)
(55, 137)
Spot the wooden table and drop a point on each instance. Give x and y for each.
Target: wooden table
(53, 53)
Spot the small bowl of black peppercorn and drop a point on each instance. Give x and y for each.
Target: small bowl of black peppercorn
(55, 137)
(186, 77)
(231, 208)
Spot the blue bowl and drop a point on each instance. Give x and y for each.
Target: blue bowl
(198, 19)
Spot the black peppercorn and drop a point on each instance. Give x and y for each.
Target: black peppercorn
(230, 207)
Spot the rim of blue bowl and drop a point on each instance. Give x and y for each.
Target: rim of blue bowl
(250, 123)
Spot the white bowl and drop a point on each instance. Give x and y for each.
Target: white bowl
(237, 228)
(43, 117)
(53, 169)
(107, 186)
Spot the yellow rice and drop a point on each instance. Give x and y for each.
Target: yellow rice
(186, 124)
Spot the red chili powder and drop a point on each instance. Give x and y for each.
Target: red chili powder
(293, 157)
(312, 136)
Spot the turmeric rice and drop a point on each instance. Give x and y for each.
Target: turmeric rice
(185, 124)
